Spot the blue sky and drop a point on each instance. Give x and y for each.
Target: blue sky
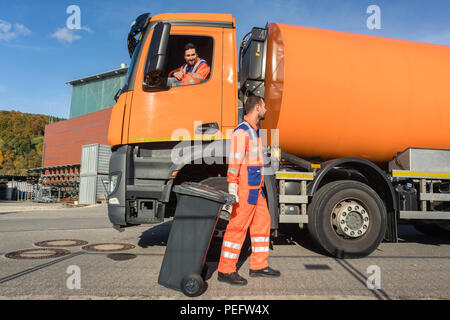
(38, 56)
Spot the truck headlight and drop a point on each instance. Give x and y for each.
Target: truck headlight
(114, 201)
(114, 180)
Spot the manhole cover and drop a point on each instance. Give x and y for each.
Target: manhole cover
(108, 247)
(37, 253)
(61, 243)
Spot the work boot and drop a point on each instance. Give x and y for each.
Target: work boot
(266, 272)
(232, 278)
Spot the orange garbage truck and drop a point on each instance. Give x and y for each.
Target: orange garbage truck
(356, 131)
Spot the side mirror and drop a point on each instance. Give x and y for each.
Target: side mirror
(137, 26)
(156, 58)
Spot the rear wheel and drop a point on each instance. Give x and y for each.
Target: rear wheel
(347, 218)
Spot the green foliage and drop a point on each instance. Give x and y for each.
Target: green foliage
(21, 140)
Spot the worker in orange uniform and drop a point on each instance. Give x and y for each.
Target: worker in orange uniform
(194, 71)
(245, 182)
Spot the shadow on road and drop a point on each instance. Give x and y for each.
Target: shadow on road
(292, 237)
(407, 233)
(291, 234)
(159, 235)
(156, 236)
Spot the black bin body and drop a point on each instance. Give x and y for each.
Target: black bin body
(196, 215)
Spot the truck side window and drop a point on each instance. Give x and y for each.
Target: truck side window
(195, 70)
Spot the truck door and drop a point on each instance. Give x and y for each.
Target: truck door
(157, 116)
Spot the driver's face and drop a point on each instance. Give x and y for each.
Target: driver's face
(190, 56)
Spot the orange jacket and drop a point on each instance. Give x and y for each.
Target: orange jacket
(246, 162)
(194, 74)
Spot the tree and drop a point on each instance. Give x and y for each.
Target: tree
(21, 140)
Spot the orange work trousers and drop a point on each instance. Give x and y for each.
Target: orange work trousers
(244, 216)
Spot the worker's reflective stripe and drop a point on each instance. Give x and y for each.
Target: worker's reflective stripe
(230, 255)
(199, 62)
(253, 153)
(252, 133)
(260, 249)
(191, 81)
(233, 170)
(197, 77)
(231, 245)
(236, 156)
(260, 239)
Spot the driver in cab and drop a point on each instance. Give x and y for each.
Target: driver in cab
(194, 71)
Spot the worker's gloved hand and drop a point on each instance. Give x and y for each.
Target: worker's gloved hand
(233, 189)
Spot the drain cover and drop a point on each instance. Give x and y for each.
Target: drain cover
(108, 247)
(37, 253)
(61, 243)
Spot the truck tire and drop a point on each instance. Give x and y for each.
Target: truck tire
(347, 218)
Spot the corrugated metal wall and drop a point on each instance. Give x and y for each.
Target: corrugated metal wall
(104, 154)
(94, 172)
(63, 140)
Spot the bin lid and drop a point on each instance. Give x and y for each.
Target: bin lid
(203, 191)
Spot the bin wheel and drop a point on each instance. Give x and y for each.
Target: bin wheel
(192, 285)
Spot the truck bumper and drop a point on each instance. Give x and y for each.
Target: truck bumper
(140, 188)
(116, 198)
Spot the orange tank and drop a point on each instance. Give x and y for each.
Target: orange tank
(334, 94)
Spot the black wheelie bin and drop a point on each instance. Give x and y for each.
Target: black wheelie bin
(196, 215)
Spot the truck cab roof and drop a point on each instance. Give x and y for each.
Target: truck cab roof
(189, 16)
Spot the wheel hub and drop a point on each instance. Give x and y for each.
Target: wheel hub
(350, 219)
(192, 286)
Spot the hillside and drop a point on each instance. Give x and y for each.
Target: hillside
(21, 140)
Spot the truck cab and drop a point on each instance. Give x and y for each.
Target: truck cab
(154, 123)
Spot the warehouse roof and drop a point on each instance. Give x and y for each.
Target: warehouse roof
(99, 76)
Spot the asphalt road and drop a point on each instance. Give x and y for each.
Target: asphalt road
(418, 267)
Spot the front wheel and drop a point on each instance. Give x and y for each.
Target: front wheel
(347, 218)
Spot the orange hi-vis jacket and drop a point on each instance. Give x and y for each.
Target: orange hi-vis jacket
(246, 168)
(246, 162)
(193, 75)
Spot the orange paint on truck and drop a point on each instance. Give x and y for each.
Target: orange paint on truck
(334, 94)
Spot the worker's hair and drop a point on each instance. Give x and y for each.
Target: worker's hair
(251, 102)
(190, 46)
